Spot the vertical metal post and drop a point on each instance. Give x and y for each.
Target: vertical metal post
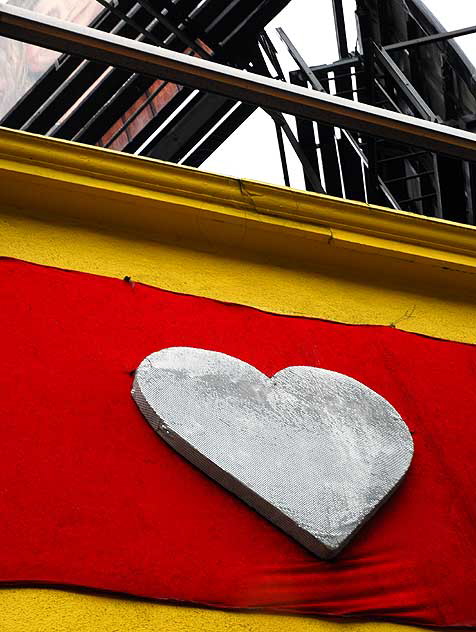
(307, 139)
(469, 171)
(317, 85)
(436, 179)
(341, 34)
(310, 166)
(282, 154)
(368, 51)
(327, 147)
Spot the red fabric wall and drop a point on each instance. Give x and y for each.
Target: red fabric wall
(90, 496)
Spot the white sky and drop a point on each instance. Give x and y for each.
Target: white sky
(252, 151)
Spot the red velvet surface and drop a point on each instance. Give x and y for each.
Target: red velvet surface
(89, 496)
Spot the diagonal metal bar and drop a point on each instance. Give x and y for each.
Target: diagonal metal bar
(282, 125)
(282, 154)
(411, 95)
(296, 55)
(317, 85)
(311, 175)
(135, 114)
(143, 58)
(268, 48)
(182, 35)
(123, 16)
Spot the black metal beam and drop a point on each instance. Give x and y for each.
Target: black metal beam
(185, 130)
(72, 88)
(282, 155)
(150, 129)
(232, 121)
(397, 46)
(311, 175)
(54, 78)
(145, 32)
(431, 39)
(369, 161)
(307, 140)
(149, 60)
(412, 96)
(339, 22)
(368, 96)
(180, 34)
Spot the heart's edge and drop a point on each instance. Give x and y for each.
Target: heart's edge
(280, 372)
(251, 498)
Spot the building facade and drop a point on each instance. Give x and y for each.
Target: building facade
(107, 258)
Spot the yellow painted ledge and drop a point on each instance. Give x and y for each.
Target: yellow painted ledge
(45, 610)
(283, 251)
(60, 180)
(280, 250)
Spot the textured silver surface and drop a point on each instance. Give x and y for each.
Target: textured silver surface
(314, 451)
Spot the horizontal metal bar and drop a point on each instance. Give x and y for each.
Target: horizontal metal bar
(344, 64)
(413, 154)
(352, 91)
(419, 198)
(205, 75)
(346, 75)
(413, 176)
(419, 41)
(431, 39)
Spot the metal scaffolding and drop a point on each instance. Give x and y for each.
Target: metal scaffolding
(371, 126)
(406, 63)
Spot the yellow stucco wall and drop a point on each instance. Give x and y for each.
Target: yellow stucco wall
(96, 211)
(279, 250)
(322, 291)
(45, 610)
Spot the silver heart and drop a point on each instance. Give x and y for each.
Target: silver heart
(313, 451)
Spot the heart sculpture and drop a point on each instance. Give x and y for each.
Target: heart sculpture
(313, 451)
